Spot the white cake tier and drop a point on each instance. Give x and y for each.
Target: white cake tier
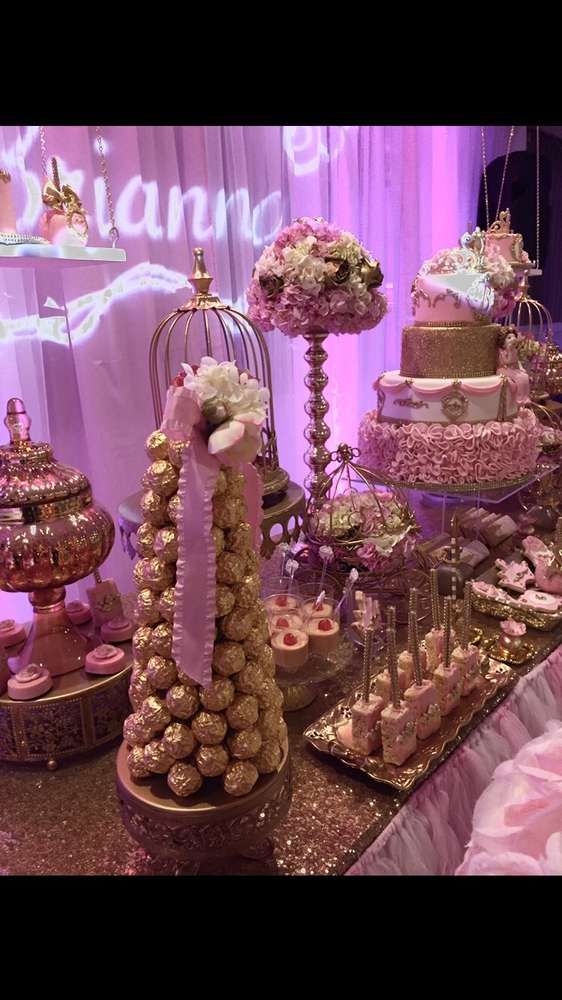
(444, 400)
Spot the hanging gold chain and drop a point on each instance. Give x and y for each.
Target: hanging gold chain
(538, 264)
(113, 232)
(509, 141)
(485, 175)
(43, 147)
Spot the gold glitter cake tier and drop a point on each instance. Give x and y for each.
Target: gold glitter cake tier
(468, 351)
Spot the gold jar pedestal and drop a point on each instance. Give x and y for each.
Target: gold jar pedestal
(80, 713)
(210, 831)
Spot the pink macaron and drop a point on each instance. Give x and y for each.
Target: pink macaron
(78, 612)
(29, 683)
(117, 630)
(105, 659)
(11, 632)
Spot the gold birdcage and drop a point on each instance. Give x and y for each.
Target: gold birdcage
(366, 521)
(536, 347)
(206, 326)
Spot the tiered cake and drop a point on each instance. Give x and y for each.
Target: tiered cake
(454, 414)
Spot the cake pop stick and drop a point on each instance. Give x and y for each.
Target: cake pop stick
(435, 615)
(447, 632)
(422, 695)
(466, 656)
(367, 656)
(398, 720)
(393, 666)
(415, 649)
(364, 731)
(467, 615)
(448, 676)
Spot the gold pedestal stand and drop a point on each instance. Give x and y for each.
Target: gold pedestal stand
(80, 713)
(204, 830)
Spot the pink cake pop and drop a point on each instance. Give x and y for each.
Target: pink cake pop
(30, 683)
(105, 659)
(11, 633)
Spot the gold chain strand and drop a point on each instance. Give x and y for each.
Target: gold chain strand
(43, 147)
(485, 175)
(113, 232)
(509, 141)
(537, 255)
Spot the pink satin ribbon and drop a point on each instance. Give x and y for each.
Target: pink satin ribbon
(194, 617)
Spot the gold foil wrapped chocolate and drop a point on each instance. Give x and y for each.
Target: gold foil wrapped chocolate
(136, 730)
(228, 658)
(245, 744)
(238, 624)
(167, 603)
(155, 713)
(153, 573)
(145, 537)
(248, 592)
(166, 545)
(227, 511)
(161, 672)
(139, 689)
(178, 740)
(209, 728)
(162, 639)
(243, 713)
(135, 761)
(174, 508)
(219, 695)
(142, 644)
(254, 643)
(269, 695)
(157, 760)
(234, 482)
(157, 446)
(161, 477)
(182, 701)
(224, 600)
(212, 761)
(240, 777)
(252, 562)
(266, 661)
(221, 483)
(154, 508)
(268, 759)
(175, 452)
(239, 539)
(184, 779)
(270, 723)
(145, 609)
(251, 679)
(218, 539)
(230, 568)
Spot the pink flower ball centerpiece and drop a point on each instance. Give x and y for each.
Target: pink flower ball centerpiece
(313, 280)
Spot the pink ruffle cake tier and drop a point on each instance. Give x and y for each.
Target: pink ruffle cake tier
(452, 454)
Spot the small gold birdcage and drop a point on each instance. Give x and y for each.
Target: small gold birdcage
(206, 326)
(537, 349)
(366, 522)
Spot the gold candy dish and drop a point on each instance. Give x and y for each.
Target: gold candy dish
(323, 734)
(515, 657)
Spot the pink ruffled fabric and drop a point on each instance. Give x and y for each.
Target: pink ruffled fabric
(451, 453)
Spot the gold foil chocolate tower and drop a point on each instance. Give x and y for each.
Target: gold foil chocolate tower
(232, 730)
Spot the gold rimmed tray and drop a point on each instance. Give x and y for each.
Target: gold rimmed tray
(515, 658)
(323, 734)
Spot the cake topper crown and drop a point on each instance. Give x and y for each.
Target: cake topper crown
(502, 224)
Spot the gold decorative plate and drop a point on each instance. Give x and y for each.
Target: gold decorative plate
(322, 734)
(514, 658)
(499, 609)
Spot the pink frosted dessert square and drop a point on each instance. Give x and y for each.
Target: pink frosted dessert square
(406, 663)
(468, 660)
(423, 699)
(365, 724)
(499, 530)
(383, 684)
(434, 642)
(398, 733)
(474, 552)
(448, 684)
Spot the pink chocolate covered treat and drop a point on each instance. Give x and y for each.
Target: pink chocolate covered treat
(29, 683)
(398, 733)
(79, 612)
(11, 632)
(117, 630)
(323, 635)
(105, 659)
(468, 661)
(548, 576)
(290, 649)
(433, 648)
(383, 684)
(539, 601)
(423, 699)
(501, 529)
(363, 733)
(535, 549)
(515, 576)
(448, 684)
(406, 663)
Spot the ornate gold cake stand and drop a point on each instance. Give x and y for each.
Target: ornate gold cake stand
(80, 713)
(207, 827)
(286, 515)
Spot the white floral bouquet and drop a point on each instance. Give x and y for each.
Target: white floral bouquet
(232, 403)
(316, 276)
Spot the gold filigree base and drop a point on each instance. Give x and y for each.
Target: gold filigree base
(446, 490)
(207, 826)
(80, 713)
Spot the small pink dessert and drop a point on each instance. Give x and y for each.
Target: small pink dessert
(448, 684)
(318, 609)
(424, 701)
(78, 612)
(30, 683)
(281, 602)
(290, 620)
(433, 648)
(105, 659)
(499, 530)
(398, 733)
(323, 635)
(383, 684)
(11, 632)
(474, 552)
(535, 550)
(468, 661)
(117, 630)
(548, 576)
(539, 601)
(514, 576)
(406, 663)
(290, 649)
(365, 728)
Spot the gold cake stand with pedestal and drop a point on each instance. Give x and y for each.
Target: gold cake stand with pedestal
(210, 832)
(80, 713)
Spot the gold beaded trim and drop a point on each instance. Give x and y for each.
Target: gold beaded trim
(461, 487)
(36, 513)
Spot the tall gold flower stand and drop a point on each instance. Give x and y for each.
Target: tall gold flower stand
(80, 713)
(211, 832)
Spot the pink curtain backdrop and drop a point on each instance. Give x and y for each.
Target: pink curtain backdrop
(406, 191)
(431, 832)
